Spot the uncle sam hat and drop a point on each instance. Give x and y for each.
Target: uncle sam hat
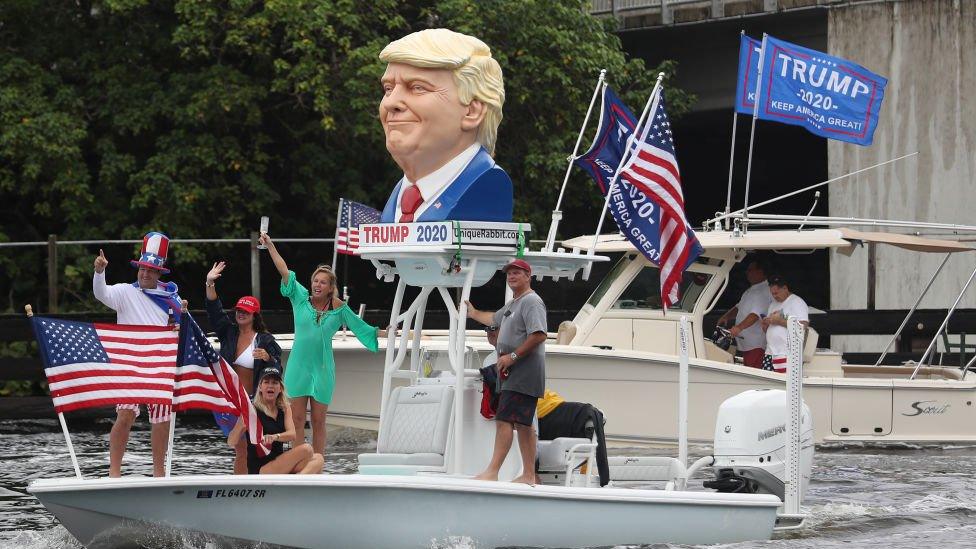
(155, 248)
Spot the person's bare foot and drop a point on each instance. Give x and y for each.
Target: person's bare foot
(525, 479)
(486, 475)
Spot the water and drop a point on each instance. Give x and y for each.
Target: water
(859, 497)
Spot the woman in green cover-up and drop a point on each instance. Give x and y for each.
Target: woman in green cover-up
(310, 371)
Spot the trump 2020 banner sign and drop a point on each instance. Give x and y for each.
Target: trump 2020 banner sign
(829, 96)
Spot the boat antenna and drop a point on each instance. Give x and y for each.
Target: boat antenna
(557, 214)
(814, 186)
(816, 198)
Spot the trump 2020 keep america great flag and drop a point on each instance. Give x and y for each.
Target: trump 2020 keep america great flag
(89, 365)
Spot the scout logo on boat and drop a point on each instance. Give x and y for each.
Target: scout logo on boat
(930, 409)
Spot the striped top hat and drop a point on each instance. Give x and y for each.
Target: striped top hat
(155, 248)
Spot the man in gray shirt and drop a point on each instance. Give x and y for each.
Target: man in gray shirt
(521, 365)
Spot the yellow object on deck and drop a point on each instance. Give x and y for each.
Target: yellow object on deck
(548, 403)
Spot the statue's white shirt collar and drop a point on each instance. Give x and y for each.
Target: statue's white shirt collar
(432, 185)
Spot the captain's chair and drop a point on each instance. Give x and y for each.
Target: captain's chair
(414, 432)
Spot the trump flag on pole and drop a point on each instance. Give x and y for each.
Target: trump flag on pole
(829, 96)
(646, 202)
(636, 216)
(653, 168)
(90, 365)
(745, 84)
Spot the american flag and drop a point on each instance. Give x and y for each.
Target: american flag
(351, 216)
(205, 380)
(90, 365)
(653, 169)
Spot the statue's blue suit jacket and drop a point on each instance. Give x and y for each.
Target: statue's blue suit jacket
(482, 192)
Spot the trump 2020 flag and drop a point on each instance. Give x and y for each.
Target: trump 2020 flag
(745, 84)
(98, 364)
(829, 96)
(647, 192)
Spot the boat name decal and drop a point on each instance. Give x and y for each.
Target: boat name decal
(419, 394)
(232, 493)
(919, 409)
(770, 433)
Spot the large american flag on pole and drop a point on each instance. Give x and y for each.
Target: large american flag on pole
(89, 365)
(205, 380)
(351, 216)
(653, 169)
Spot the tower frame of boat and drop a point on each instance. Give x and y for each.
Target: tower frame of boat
(432, 438)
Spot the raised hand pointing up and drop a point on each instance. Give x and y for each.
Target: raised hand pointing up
(100, 262)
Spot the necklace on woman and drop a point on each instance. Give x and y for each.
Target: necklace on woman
(319, 312)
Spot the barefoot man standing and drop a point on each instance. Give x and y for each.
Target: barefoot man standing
(521, 364)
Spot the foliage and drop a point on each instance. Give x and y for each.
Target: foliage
(197, 116)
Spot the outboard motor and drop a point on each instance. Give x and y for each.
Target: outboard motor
(750, 444)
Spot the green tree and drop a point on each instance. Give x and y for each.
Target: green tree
(197, 116)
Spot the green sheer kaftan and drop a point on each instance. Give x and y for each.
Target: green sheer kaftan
(310, 370)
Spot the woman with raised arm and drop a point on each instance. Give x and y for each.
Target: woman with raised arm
(311, 367)
(272, 410)
(244, 342)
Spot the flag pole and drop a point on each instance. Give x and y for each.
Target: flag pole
(557, 213)
(735, 117)
(172, 412)
(64, 424)
(638, 129)
(755, 115)
(345, 262)
(335, 240)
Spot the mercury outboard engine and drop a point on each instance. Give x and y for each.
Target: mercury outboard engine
(750, 444)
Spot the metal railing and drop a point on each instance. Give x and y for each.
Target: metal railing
(52, 244)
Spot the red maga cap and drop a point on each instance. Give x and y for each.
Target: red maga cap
(249, 303)
(519, 264)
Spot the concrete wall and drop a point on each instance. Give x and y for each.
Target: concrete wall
(927, 50)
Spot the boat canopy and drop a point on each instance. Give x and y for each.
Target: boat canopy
(843, 239)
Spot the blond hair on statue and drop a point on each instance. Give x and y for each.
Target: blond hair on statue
(476, 73)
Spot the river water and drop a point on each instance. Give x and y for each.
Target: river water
(904, 497)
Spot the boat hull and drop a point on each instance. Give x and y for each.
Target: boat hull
(363, 511)
(637, 392)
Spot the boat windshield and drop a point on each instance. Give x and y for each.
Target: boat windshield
(608, 280)
(645, 291)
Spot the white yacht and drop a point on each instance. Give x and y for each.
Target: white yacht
(620, 353)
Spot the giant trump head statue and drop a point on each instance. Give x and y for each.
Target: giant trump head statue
(441, 107)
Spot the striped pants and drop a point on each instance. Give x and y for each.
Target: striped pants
(158, 413)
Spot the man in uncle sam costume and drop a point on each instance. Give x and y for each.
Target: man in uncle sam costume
(148, 302)
(442, 103)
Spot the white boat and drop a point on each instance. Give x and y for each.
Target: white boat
(412, 491)
(620, 353)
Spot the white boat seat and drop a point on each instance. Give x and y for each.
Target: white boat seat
(566, 332)
(810, 344)
(413, 431)
(646, 469)
(554, 455)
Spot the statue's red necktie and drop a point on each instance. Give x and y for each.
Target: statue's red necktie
(410, 200)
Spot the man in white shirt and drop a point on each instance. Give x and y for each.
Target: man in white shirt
(748, 314)
(441, 107)
(146, 302)
(785, 305)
